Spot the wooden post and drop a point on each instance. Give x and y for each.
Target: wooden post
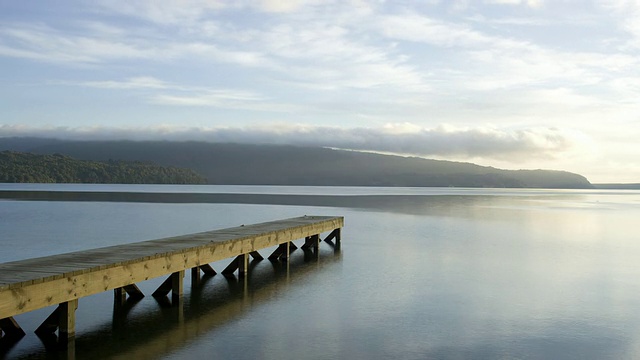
(177, 285)
(286, 251)
(67, 322)
(195, 275)
(243, 265)
(119, 296)
(63, 319)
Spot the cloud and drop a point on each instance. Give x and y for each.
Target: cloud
(140, 82)
(493, 62)
(156, 91)
(312, 50)
(166, 11)
(529, 3)
(287, 6)
(210, 96)
(181, 11)
(404, 138)
(99, 46)
(44, 43)
(627, 14)
(411, 26)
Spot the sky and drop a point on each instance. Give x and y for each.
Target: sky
(514, 84)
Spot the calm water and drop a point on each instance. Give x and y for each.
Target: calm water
(422, 273)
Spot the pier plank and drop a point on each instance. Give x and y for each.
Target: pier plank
(31, 284)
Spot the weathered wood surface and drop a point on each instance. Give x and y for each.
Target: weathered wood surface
(32, 284)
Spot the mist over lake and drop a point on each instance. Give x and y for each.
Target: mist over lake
(421, 273)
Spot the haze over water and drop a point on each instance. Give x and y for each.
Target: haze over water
(422, 273)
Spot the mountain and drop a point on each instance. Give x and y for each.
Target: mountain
(57, 168)
(244, 164)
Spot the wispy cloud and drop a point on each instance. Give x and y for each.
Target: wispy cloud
(99, 46)
(140, 82)
(164, 12)
(333, 56)
(529, 3)
(225, 99)
(496, 62)
(44, 43)
(627, 13)
(161, 92)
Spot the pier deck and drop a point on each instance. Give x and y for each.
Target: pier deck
(31, 284)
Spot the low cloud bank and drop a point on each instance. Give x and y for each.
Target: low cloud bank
(406, 139)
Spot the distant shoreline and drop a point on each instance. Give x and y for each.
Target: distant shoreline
(617, 186)
(408, 204)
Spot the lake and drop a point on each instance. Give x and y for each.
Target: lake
(422, 273)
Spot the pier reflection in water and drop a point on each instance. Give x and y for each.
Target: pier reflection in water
(424, 273)
(208, 303)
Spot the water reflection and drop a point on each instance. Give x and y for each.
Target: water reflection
(532, 275)
(212, 302)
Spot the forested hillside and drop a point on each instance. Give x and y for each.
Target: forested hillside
(16, 167)
(245, 164)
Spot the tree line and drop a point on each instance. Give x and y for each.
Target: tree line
(18, 167)
(260, 164)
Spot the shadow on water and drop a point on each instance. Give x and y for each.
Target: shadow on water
(207, 304)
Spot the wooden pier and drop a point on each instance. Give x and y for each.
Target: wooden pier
(61, 280)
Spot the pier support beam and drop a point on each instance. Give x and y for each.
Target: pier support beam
(173, 284)
(312, 241)
(282, 252)
(196, 273)
(177, 285)
(120, 294)
(335, 234)
(63, 319)
(240, 263)
(208, 270)
(10, 330)
(67, 321)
